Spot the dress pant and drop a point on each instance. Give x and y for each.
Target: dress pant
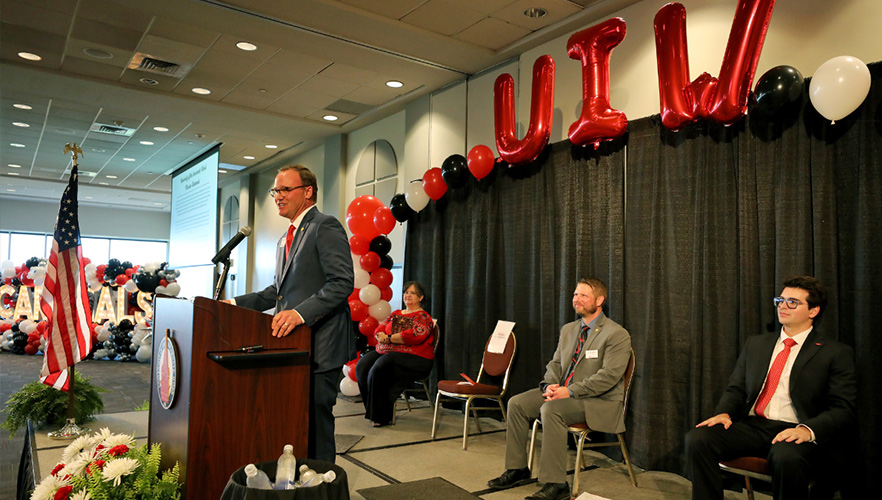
(791, 463)
(383, 377)
(556, 415)
(321, 415)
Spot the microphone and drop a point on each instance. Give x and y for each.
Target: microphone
(224, 253)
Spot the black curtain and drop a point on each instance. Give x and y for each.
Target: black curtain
(693, 231)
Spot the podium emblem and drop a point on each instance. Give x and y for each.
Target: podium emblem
(167, 370)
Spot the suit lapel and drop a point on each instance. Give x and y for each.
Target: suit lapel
(813, 344)
(593, 336)
(297, 242)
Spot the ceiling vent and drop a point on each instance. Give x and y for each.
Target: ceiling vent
(112, 130)
(146, 63)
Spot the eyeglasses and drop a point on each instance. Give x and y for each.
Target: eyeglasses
(274, 191)
(791, 303)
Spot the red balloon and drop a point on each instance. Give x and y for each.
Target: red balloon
(433, 183)
(354, 294)
(723, 100)
(129, 272)
(359, 244)
(358, 310)
(386, 294)
(121, 279)
(4, 326)
(31, 349)
(382, 278)
(351, 365)
(370, 262)
(360, 216)
(525, 150)
(593, 46)
(384, 221)
(86, 261)
(163, 282)
(367, 326)
(481, 161)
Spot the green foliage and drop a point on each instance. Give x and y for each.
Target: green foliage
(145, 406)
(44, 405)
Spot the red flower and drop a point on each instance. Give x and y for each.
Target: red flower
(99, 447)
(63, 493)
(118, 450)
(98, 464)
(57, 468)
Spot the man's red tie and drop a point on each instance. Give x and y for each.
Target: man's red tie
(289, 239)
(773, 378)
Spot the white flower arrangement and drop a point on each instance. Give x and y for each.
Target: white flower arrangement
(108, 466)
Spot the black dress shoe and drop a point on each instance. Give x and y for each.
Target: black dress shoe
(552, 491)
(510, 479)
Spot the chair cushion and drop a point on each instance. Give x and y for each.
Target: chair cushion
(751, 464)
(463, 387)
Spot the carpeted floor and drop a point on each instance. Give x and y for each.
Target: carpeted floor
(345, 442)
(434, 488)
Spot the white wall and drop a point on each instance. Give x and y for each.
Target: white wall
(39, 217)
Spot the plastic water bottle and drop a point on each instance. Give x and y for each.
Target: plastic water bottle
(286, 469)
(257, 479)
(310, 478)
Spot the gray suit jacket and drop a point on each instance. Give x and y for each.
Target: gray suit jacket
(597, 381)
(315, 280)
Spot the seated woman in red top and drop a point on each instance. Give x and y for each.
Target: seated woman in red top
(404, 354)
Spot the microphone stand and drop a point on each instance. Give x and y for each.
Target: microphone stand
(222, 280)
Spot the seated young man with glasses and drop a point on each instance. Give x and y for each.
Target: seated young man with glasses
(790, 399)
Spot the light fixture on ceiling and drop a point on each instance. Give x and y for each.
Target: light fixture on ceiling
(104, 183)
(535, 12)
(200, 91)
(331, 118)
(394, 84)
(128, 159)
(97, 53)
(248, 157)
(110, 176)
(148, 81)
(146, 143)
(65, 131)
(88, 197)
(271, 146)
(14, 165)
(21, 124)
(14, 173)
(160, 129)
(98, 150)
(30, 56)
(16, 145)
(22, 106)
(157, 203)
(247, 46)
(221, 171)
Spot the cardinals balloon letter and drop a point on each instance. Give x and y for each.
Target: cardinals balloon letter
(525, 150)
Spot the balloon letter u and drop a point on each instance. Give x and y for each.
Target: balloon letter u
(525, 150)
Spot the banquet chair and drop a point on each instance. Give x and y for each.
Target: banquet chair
(582, 431)
(492, 365)
(758, 468)
(424, 382)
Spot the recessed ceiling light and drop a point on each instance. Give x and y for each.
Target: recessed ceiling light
(128, 159)
(21, 124)
(104, 183)
(271, 146)
(22, 106)
(535, 12)
(331, 118)
(160, 129)
(14, 173)
(147, 143)
(65, 131)
(29, 56)
(16, 145)
(98, 150)
(395, 84)
(148, 81)
(88, 197)
(248, 157)
(157, 204)
(247, 46)
(111, 176)
(14, 165)
(221, 171)
(10, 190)
(97, 53)
(200, 91)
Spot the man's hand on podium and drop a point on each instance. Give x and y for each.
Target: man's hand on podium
(285, 322)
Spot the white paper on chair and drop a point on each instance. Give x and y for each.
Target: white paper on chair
(500, 336)
(589, 496)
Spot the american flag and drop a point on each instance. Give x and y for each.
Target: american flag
(65, 301)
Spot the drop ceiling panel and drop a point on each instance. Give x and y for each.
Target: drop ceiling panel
(91, 68)
(394, 9)
(328, 86)
(171, 29)
(431, 16)
(54, 19)
(119, 14)
(557, 10)
(106, 34)
(492, 33)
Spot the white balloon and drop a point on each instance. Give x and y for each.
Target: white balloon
(145, 352)
(27, 326)
(7, 263)
(94, 286)
(8, 272)
(348, 387)
(362, 278)
(416, 196)
(370, 295)
(101, 353)
(103, 334)
(5, 346)
(131, 287)
(173, 289)
(839, 86)
(380, 310)
(161, 290)
(346, 370)
(91, 268)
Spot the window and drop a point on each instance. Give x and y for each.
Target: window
(23, 246)
(19, 247)
(377, 172)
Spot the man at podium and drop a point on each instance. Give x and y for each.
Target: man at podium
(312, 283)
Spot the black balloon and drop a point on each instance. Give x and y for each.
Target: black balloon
(455, 171)
(386, 262)
(778, 91)
(400, 209)
(381, 245)
(147, 282)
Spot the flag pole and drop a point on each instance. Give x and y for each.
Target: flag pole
(70, 429)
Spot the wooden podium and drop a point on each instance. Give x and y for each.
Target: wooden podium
(231, 406)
